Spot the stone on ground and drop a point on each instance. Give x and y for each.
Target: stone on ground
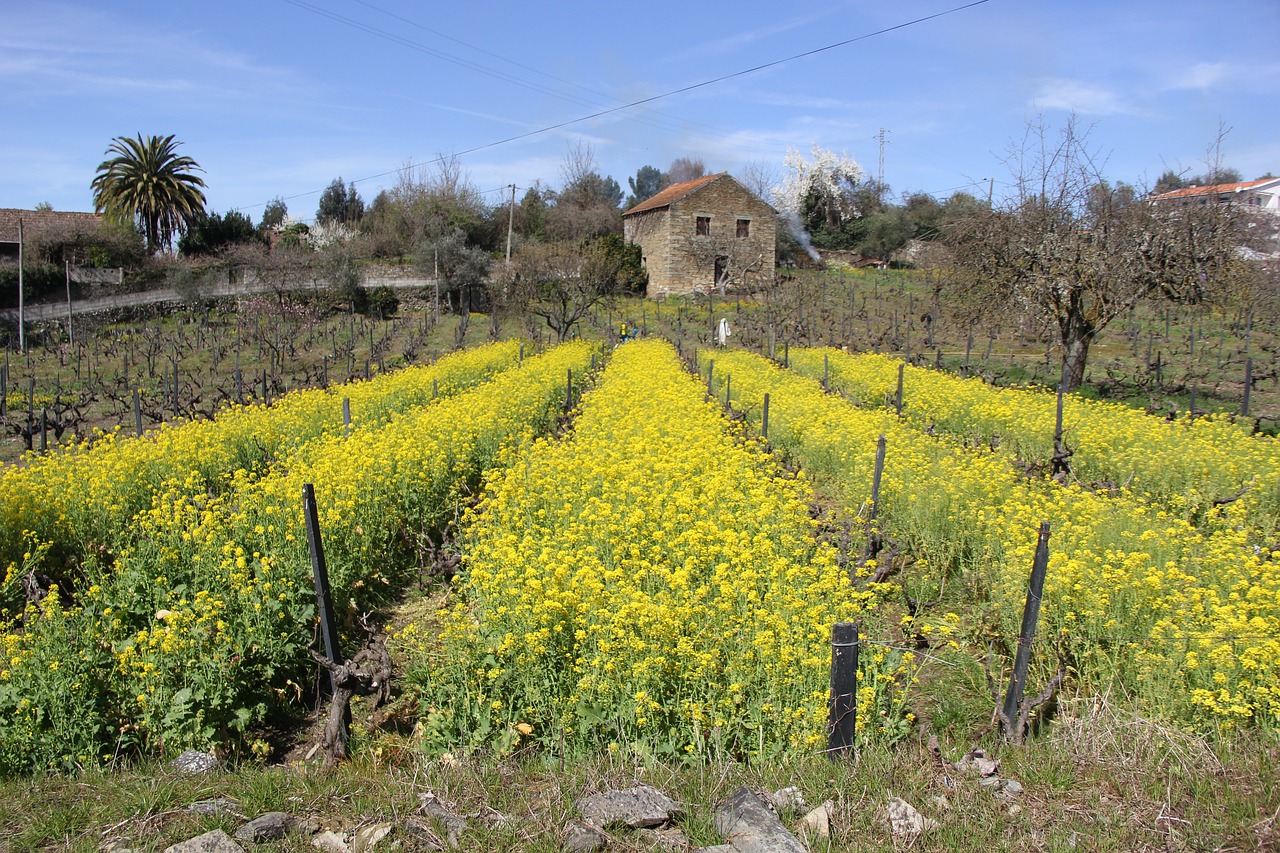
(636, 807)
(750, 826)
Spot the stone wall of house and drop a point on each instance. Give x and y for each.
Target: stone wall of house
(649, 230)
(679, 260)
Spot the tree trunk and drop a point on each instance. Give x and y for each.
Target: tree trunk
(1077, 335)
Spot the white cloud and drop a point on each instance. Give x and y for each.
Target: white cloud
(61, 51)
(1225, 77)
(1056, 93)
(1203, 75)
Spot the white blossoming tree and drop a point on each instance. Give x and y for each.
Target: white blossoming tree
(821, 191)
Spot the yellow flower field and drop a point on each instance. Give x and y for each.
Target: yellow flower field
(84, 499)
(1186, 617)
(655, 580)
(199, 627)
(650, 583)
(1185, 465)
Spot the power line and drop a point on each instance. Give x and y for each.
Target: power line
(510, 61)
(935, 193)
(651, 99)
(473, 66)
(447, 57)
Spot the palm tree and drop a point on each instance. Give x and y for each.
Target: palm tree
(148, 183)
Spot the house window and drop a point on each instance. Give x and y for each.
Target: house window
(703, 226)
(744, 227)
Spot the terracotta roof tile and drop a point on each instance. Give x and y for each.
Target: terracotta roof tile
(673, 193)
(1213, 189)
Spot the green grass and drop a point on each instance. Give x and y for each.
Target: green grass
(1107, 780)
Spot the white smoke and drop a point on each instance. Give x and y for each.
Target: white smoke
(796, 227)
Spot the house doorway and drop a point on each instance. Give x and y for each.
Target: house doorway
(722, 272)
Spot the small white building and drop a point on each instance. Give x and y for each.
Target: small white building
(1262, 194)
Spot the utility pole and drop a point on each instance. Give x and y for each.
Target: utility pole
(22, 309)
(511, 221)
(880, 173)
(437, 275)
(71, 335)
(991, 185)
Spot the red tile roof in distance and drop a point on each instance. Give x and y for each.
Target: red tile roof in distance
(1214, 189)
(672, 193)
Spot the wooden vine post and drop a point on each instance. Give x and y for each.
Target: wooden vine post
(1015, 711)
(897, 406)
(368, 673)
(1248, 386)
(842, 708)
(1061, 462)
(320, 574)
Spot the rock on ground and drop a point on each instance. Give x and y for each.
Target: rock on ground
(581, 837)
(329, 842)
(193, 763)
(750, 826)
(271, 826)
(211, 842)
(366, 838)
(816, 825)
(905, 820)
(637, 807)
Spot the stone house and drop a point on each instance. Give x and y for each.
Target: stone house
(708, 232)
(43, 227)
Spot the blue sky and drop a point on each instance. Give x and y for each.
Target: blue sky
(278, 97)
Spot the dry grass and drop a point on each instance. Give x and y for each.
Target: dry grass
(1101, 778)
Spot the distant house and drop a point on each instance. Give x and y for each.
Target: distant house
(1262, 194)
(705, 233)
(43, 227)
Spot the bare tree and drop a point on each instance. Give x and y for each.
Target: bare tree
(686, 169)
(561, 282)
(284, 270)
(760, 177)
(587, 204)
(735, 261)
(1071, 252)
(427, 201)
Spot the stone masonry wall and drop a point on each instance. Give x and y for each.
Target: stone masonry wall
(680, 261)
